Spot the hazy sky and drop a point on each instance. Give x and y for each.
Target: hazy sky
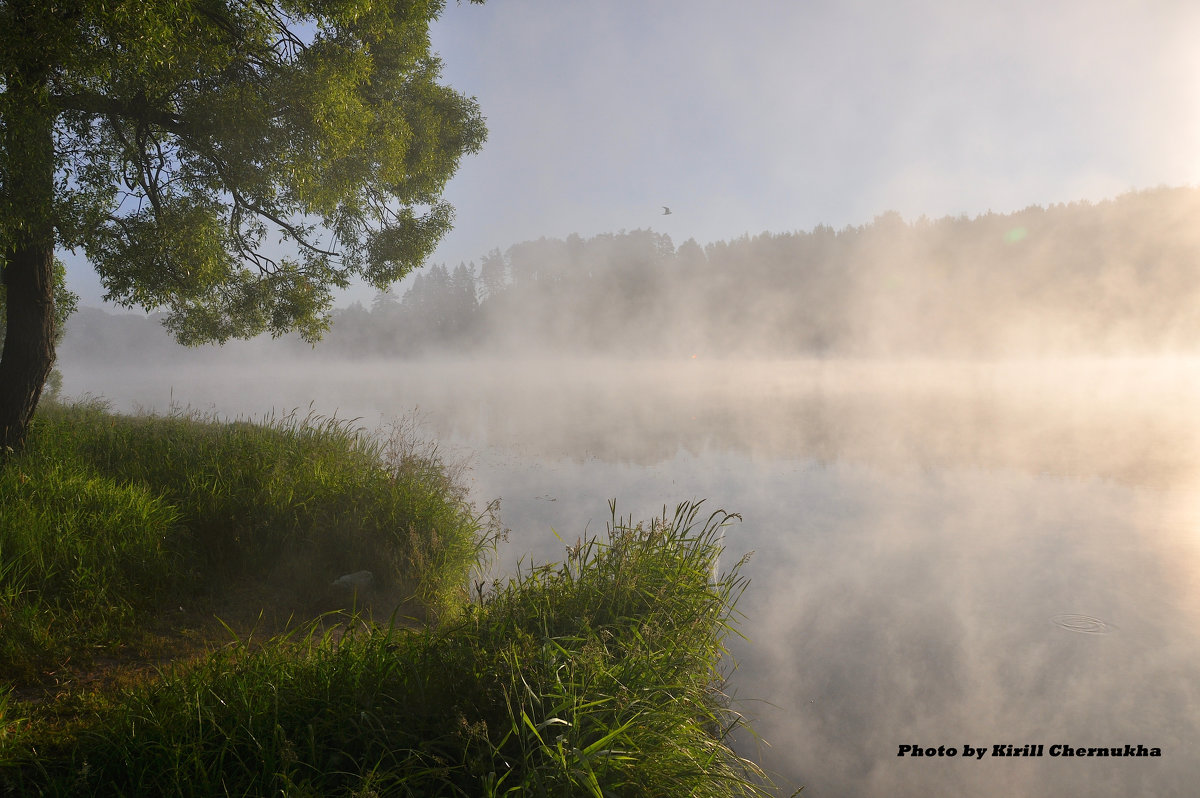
(778, 116)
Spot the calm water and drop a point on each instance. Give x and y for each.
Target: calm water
(944, 554)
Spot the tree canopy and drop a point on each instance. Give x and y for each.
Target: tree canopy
(232, 162)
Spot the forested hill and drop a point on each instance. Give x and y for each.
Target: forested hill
(1115, 277)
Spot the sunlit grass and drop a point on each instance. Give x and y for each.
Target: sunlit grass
(599, 676)
(105, 517)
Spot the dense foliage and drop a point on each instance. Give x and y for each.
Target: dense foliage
(230, 162)
(190, 135)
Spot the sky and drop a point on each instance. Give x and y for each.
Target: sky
(777, 116)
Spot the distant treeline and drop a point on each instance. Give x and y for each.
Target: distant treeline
(1117, 276)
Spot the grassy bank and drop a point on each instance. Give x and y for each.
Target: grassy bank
(598, 676)
(108, 519)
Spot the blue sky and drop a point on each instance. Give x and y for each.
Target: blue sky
(778, 116)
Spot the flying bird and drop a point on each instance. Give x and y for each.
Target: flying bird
(666, 211)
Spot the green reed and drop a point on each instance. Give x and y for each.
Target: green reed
(600, 676)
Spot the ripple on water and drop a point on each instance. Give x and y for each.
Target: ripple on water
(1083, 624)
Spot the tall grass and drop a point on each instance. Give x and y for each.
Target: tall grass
(80, 556)
(105, 517)
(597, 677)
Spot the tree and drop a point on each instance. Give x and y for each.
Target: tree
(493, 273)
(464, 297)
(231, 162)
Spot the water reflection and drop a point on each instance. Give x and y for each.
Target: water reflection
(945, 555)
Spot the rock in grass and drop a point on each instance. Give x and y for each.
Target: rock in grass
(359, 580)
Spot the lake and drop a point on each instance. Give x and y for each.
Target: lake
(945, 554)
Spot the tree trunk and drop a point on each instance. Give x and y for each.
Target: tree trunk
(28, 340)
(29, 262)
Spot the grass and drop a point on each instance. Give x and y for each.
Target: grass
(599, 676)
(107, 518)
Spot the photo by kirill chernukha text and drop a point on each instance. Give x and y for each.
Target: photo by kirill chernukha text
(1027, 750)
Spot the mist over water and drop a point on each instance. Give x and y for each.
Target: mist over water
(945, 553)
